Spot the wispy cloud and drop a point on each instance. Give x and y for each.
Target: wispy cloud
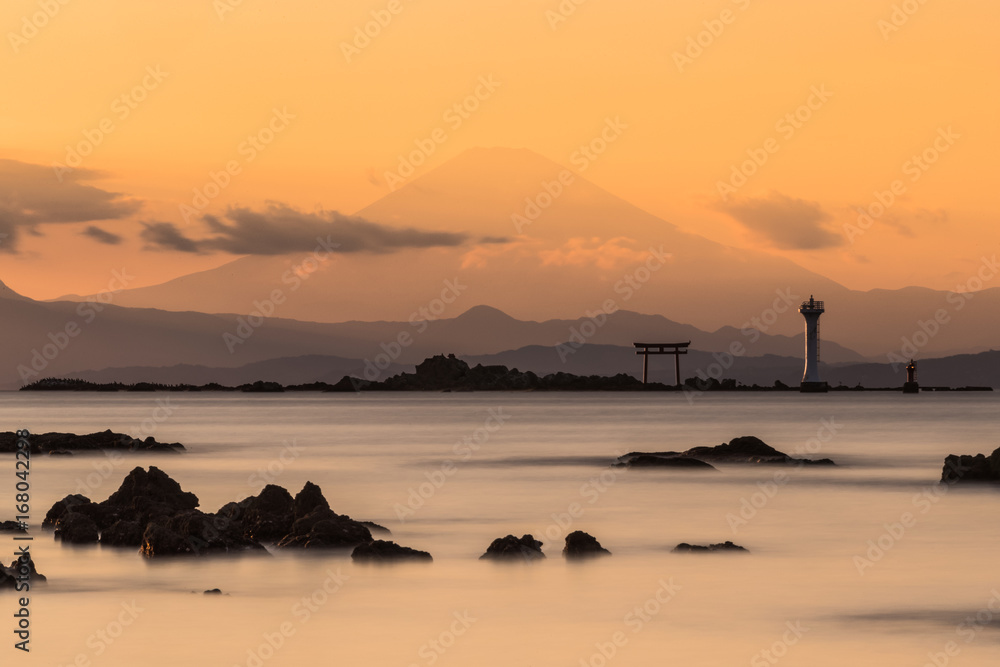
(101, 235)
(784, 222)
(281, 229)
(31, 196)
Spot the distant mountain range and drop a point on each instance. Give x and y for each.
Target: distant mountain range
(549, 262)
(62, 338)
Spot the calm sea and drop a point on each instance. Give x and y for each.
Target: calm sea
(870, 562)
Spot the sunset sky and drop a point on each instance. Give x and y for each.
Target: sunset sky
(179, 87)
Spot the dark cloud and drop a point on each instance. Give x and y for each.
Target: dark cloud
(165, 236)
(31, 195)
(785, 222)
(280, 229)
(101, 236)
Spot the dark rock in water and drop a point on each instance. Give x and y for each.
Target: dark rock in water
(60, 452)
(63, 443)
(727, 546)
(76, 528)
(580, 545)
(194, 533)
(749, 449)
(661, 460)
(746, 449)
(123, 533)
(309, 499)
(375, 528)
(511, 548)
(325, 529)
(266, 517)
(213, 591)
(381, 551)
(965, 468)
(19, 569)
(145, 495)
(12, 527)
(74, 503)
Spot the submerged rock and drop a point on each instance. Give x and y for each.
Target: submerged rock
(66, 443)
(76, 528)
(381, 551)
(309, 499)
(123, 533)
(151, 511)
(661, 460)
(745, 449)
(19, 572)
(266, 517)
(965, 468)
(194, 533)
(511, 548)
(727, 546)
(581, 545)
(325, 529)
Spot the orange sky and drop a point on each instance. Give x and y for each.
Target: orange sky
(891, 94)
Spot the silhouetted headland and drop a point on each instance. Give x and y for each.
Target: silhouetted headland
(448, 373)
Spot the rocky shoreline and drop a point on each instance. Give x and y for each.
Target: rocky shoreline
(56, 444)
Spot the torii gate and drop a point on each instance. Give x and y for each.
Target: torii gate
(661, 348)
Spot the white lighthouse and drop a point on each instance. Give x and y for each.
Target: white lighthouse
(811, 310)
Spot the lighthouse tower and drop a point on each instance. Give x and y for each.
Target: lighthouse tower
(811, 310)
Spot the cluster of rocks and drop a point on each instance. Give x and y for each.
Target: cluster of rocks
(12, 527)
(151, 512)
(579, 546)
(448, 373)
(727, 546)
(977, 469)
(64, 443)
(18, 572)
(745, 449)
